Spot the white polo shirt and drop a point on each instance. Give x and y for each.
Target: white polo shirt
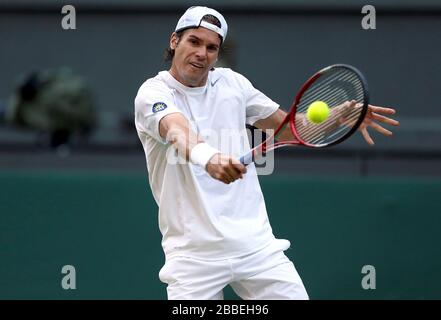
(199, 216)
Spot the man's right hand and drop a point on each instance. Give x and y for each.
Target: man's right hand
(225, 168)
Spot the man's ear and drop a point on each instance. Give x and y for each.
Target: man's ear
(173, 41)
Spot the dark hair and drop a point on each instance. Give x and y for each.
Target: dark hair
(170, 53)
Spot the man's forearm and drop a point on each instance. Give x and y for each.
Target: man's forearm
(176, 130)
(273, 122)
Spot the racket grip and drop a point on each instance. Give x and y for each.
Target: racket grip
(247, 158)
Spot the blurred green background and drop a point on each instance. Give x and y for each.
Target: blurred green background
(105, 225)
(74, 189)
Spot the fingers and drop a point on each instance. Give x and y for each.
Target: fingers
(348, 106)
(226, 169)
(376, 113)
(383, 110)
(233, 173)
(366, 136)
(346, 121)
(228, 178)
(380, 129)
(384, 119)
(235, 169)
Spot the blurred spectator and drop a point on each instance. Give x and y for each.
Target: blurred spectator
(56, 103)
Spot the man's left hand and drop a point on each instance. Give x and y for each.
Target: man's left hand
(375, 115)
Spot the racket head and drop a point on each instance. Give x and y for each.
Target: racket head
(345, 91)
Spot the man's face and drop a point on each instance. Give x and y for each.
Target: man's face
(196, 53)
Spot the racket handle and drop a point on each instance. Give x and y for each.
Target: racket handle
(247, 158)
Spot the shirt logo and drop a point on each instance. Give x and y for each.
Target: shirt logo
(159, 106)
(214, 82)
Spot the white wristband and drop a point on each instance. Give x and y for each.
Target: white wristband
(202, 153)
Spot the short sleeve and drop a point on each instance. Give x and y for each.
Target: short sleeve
(152, 103)
(258, 105)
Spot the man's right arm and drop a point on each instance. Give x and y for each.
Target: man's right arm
(175, 129)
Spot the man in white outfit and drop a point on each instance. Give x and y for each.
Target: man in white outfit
(212, 213)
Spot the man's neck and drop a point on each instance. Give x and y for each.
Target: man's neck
(175, 75)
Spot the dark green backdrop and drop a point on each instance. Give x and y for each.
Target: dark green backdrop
(106, 226)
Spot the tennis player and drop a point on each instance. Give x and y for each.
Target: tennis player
(212, 213)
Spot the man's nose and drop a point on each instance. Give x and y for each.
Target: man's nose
(201, 52)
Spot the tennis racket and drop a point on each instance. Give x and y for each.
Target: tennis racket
(343, 89)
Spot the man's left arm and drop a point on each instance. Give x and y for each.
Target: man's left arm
(374, 116)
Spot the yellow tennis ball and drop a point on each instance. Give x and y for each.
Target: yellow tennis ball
(318, 111)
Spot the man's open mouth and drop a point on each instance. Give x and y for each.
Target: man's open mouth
(199, 66)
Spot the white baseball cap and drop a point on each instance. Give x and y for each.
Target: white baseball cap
(192, 18)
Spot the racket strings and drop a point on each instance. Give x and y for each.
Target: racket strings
(331, 95)
(334, 129)
(337, 89)
(336, 125)
(335, 115)
(323, 87)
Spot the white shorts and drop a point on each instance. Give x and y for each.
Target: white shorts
(263, 275)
